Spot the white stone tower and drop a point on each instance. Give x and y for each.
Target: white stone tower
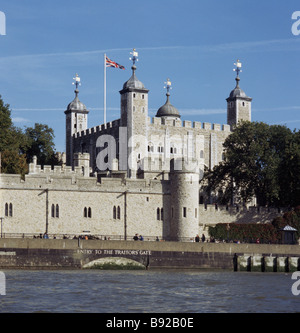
(238, 103)
(184, 180)
(134, 115)
(76, 121)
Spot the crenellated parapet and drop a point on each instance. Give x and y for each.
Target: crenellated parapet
(188, 124)
(98, 130)
(81, 167)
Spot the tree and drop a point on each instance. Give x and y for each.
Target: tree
(10, 136)
(289, 171)
(17, 148)
(39, 142)
(11, 143)
(13, 163)
(260, 161)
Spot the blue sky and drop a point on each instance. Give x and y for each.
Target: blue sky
(192, 42)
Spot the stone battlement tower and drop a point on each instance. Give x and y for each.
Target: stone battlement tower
(238, 103)
(76, 121)
(184, 181)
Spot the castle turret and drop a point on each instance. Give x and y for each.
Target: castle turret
(238, 103)
(134, 115)
(82, 161)
(184, 180)
(76, 121)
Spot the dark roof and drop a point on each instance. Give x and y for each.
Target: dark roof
(238, 92)
(76, 105)
(133, 82)
(168, 110)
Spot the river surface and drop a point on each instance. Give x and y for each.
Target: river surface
(165, 291)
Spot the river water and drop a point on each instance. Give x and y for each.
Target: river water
(165, 291)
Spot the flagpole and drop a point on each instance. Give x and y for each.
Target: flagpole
(104, 88)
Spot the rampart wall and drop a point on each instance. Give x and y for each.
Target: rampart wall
(76, 254)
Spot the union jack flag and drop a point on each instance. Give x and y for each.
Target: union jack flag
(110, 63)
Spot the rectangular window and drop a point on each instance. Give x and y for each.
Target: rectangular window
(184, 211)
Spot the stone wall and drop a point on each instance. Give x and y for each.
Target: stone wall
(74, 254)
(210, 215)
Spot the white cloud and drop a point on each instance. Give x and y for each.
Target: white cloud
(271, 45)
(20, 120)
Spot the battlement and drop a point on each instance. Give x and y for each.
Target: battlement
(98, 129)
(210, 215)
(236, 209)
(35, 169)
(188, 124)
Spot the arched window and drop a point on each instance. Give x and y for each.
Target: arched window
(160, 148)
(10, 210)
(119, 213)
(57, 211)
(52, 210)
(114, 213)
(150, 147)
(158, 214)
(90, 212)
(173, 149)
(162, 214)
(85, 212)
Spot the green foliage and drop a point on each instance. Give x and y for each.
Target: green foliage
(265, 233)
(13, 163)
(291, 218)
(39, 142)
(17, 148)
(261, 161)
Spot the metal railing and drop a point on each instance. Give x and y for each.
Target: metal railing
(88, 236)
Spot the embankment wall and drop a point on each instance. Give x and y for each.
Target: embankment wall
(74, 254)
